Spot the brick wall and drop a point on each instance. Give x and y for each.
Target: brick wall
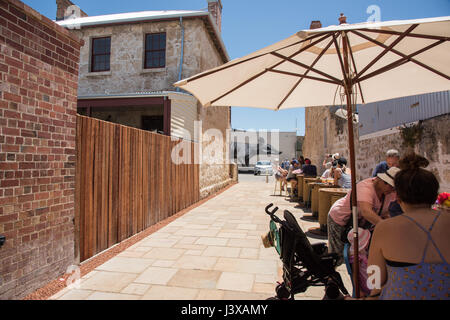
(39, 74)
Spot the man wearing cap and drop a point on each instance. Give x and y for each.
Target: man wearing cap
(392, 159)
(373, 195)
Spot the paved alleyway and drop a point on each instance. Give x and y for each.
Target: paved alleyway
(212, 252)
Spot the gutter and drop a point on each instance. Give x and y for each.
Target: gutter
(182, 52)
(132, 95)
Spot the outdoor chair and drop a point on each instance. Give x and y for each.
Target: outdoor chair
(279, 183)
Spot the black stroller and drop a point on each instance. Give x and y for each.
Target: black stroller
(304, 265)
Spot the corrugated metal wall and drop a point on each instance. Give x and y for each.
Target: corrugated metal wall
(183, 115)
(387, 114)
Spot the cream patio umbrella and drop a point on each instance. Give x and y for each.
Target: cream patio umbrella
(368, 62)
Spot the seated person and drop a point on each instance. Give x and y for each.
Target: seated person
(327, 173)
(333, 158)
(308, 169)
(374, 196)
(342, 174)
(291, 176)
(392, 159)
(301, 159)
(280, 175)
(413, 246)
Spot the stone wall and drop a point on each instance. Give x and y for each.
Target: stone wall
(325, 133)
(38, 72)
(434, 145)
(370, 150)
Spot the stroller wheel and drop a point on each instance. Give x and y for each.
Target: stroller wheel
(282, 291)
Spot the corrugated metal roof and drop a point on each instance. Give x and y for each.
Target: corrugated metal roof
(134, 94)
(127, 17)
(387, 114)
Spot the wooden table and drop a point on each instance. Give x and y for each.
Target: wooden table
(300, 185)
(307, 188)
(315, 186)
(325, 195)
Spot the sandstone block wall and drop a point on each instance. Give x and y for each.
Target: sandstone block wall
(39, 73)
(434, 144)
(127, 75)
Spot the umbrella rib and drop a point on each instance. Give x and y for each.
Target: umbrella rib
(400, 54)
(207, 73)
(354, 67)
(300, 75)
(402, 61)
(414, 35)
(386, 50)
(341, 62)
(268, 69)
(308, 68)
(307, 71)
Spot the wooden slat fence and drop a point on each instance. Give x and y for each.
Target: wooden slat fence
(126, 182)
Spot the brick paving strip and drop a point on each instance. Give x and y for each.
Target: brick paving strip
(87, 266)
(211, 250)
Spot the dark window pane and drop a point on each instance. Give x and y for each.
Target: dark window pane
(155, 50)
(100, 63)
(147, 42)
(101, 46)
(155, 42)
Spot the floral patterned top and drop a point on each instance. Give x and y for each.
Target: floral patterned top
(422, 281)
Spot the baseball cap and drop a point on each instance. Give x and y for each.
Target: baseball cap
(389, 175)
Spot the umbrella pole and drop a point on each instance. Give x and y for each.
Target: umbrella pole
(351, 143)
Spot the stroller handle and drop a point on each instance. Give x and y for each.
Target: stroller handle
(272, 213)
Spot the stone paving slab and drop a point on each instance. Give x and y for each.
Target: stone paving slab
(212, 252)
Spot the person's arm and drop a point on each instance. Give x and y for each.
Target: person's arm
(324, 163)
(368, 213)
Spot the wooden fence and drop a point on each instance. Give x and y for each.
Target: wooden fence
(126, 182)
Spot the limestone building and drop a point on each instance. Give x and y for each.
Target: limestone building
(130, 62)
(380, 129)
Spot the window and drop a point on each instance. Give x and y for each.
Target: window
(153, 123)
(101, 52)
(155, 50)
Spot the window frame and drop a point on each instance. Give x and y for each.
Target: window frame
(154, 50)
(93, 55)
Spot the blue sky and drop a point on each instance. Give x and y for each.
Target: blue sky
(249, 25)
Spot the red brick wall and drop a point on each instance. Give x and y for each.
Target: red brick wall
(38, 97)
